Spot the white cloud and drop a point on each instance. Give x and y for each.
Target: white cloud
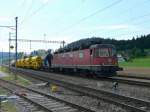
(107, 27)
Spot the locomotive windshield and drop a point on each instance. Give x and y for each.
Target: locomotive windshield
(105, 52)
(102, 52)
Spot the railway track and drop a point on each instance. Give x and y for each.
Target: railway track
(42, 101)
(131, 80)
(27, 106)
(129, 103)
(134, 76)
(134, 80)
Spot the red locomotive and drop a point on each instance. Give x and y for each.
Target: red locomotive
(99, 59)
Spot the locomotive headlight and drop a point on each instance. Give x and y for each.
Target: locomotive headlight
(116, 63)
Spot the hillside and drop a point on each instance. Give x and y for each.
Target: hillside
(141, 42)
(5, 56)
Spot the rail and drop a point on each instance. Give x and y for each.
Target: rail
(126, 102)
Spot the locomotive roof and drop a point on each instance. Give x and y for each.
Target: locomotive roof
(102, 46)
(91, 47)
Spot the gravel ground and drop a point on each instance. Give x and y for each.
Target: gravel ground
(135, 71)
(25, 106)
(99, 106)
(88, 102)
(123, 89)
(20, 107)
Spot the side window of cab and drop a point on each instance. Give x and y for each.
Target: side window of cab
(81, 55)
(91, 52)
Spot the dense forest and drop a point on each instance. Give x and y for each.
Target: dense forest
(135, 47)
(142, 42)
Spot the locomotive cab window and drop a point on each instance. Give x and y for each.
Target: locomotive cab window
(113, 52)
(102, 52)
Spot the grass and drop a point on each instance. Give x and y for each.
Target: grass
(2, 91)
(4, 69)
(7, 106)
(137, 62)
(20, 80)
(11, 77)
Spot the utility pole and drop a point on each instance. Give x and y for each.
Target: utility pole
(10, 27)
(2, 56)
(16, 45)
(63, 42)
(0, 104)
(9, 49)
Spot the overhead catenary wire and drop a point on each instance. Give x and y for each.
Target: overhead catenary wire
(35, 12)
(42, 41)
(129, 20)
(14, 13)
(127, 33)
(28, 10)
(92, 14)
(85, 18)
(38, 41)
(71, 13)
(132, 19)
(121, 13)
(10, 27)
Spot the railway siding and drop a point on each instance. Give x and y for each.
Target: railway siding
(46, 102)
(131, 80)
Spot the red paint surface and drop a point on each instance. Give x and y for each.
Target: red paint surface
(72, 58)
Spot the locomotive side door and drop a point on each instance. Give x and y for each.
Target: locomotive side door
(91, 58)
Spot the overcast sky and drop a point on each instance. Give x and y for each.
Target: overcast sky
(70, 20)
